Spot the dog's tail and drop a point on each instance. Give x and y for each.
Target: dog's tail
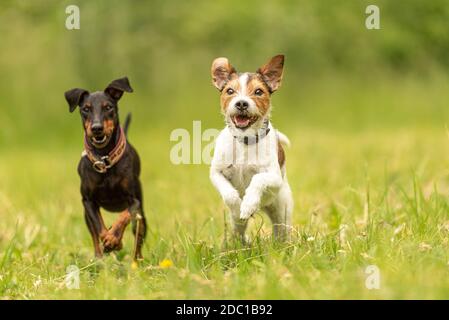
(283, 139)
(127, 122)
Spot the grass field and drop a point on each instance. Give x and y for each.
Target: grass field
(369, 172)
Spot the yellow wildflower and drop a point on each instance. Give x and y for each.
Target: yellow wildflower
(166, 263)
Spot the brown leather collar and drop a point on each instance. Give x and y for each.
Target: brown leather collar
(101, 164)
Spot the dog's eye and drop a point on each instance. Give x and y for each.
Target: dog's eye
(108, 107)
(86, 109)
(258, 92)
(230, 91)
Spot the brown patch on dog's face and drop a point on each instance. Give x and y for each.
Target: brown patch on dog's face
(109, 126)
(88, 128)
(255, 89)
(229, 91)
(259, 92)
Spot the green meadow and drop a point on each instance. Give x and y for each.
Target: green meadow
(366, 112)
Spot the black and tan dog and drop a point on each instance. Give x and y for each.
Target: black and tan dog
(109, 168)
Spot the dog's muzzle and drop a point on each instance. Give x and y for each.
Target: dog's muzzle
(101, 163)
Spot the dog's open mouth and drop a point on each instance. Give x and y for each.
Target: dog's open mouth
(99, 141)
(243, 121)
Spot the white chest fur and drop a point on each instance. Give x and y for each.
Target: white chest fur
(239, 162)
(248, 177)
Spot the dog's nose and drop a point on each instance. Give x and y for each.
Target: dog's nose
(242, 105)
(97, 128)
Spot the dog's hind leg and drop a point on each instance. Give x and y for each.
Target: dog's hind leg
(139, 230)
(139, 226)
(280, 213)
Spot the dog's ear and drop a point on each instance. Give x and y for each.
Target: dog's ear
(116, 88)
(221, 72)
(74, 97)
(272, 71)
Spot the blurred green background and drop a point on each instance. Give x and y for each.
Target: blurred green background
(338, 74)
(366, 111)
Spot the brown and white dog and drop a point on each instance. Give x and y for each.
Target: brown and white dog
(248, 167)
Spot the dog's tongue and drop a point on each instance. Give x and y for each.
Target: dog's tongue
(241, 121)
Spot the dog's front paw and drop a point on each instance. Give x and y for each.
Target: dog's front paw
(250, 205)
(232, 199)
(111, 242)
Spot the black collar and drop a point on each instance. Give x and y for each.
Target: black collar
(262, 133)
